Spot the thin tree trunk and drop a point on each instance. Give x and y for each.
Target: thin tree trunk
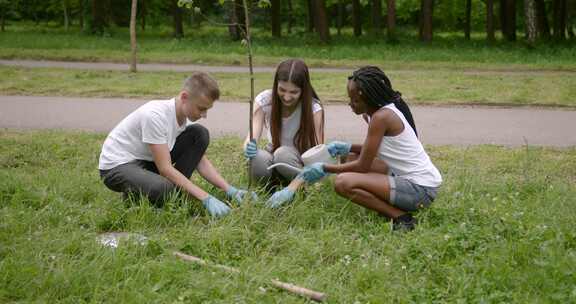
(559, 11)
(340, 19)
(177, 20)
(468, 14)
(249, 45)
(376, 17)
(2, 20)
(65, 12)
(490, 35)
(530, 21)
(81, 15)
(321, 19)
(233, 28)
(311, 17)
(542, 20)
(275, 18)
(97, 26)
(290, 16)
(133, 12)
(357, 18)
(426, 14)
(508, 19)
(391, 20)
(143, 13)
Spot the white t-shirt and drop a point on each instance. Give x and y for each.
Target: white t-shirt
(153, 123)
(290, 124)
(406, 157)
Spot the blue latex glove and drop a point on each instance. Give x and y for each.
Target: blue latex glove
(313, 173)
(336, 148)
(238, 195)
(251, 149)
(280, 197)
(215, 207)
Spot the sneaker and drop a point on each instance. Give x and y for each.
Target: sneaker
(404, 223)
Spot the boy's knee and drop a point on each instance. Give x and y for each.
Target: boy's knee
(200, 133)
(159, 192)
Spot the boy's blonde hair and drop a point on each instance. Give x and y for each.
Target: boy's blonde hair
(200, 83)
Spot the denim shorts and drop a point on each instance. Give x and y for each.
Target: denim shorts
(409, 196)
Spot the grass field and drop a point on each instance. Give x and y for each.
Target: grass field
(418, 87)
(501, 231)
(211, 45)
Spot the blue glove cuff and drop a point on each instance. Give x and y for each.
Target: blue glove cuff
(231, 191)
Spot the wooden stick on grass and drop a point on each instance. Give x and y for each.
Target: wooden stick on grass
(301, 291)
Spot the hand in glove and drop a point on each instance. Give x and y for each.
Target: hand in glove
(215, 207)
(251, 149)
(280, 197)
(239, 195)
(336, 148)
(312, 173)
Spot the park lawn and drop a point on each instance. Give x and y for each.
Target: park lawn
(211, 45)
(418, 87)
(501, 231)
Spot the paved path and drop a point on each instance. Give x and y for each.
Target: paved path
(151, 67)
(437, 125)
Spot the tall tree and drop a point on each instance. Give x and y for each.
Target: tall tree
(376, 17)
(340, 16)
(426, 13)
(290, 16)
(178, 28)
(98, 18)
(321, 20)
(133, 12)
(508, 19)
(143, 12)
(237, 20)
(311, 23)
(490, 35)
(530, 21)
(357, 18)
(468, 15)
(275, 6)
(391, 20)
(542, 20)
(559, 11)
(66, 13)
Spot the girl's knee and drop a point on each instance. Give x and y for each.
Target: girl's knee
(343, 184)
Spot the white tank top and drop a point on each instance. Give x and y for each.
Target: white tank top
(406, 157)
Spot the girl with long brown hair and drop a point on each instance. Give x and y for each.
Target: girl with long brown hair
(292, 114)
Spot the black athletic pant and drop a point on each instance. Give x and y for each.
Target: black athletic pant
(141, 176)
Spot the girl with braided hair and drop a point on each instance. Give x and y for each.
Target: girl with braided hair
(390, 172)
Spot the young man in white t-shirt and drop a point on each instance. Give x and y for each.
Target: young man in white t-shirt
(155, 149)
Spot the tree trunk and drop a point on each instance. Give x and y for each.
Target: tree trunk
(143, 13)
(542, 20)
(81, 15)
(490, 35)
(376, 17)
(290, 16)
(357, 18)
(233, 29)
(177, 20)
(2, 20)
(530, 21)
(275, 18)
(321, 19)
(571, 18)
(311, 17)
(508, 19)
(559, 11)
(97, 26)
(391, 20)
(65, 12)
(133, 13)
(340, 19)
(468, 14)
(426, 13)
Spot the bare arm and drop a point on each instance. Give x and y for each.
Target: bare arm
(163, 162)
(209, 173)
(319, 125)
(376, 130)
